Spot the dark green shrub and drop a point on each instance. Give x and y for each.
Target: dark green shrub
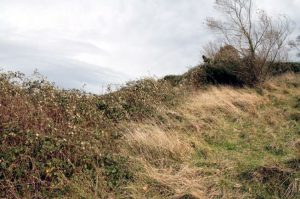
(116, 170)
(226, 68)
(280, 68)
(222, 74)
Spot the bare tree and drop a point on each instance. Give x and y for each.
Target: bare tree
(259, 38)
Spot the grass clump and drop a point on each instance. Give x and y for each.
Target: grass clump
(272, 182)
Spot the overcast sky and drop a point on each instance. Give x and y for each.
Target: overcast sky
(97, 42)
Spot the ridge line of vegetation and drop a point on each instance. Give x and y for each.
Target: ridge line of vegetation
(57, 143)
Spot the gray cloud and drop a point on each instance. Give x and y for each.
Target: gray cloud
(65, 72)
(100, 41)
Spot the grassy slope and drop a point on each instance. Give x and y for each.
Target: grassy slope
(216, 142)
(223, 143)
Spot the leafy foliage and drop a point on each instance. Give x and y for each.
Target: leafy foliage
(49, 137)
(139, 99)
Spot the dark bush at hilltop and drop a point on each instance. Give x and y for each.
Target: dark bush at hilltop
(227, 68)
(232, 73)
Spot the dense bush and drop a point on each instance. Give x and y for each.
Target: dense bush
(206, 74)
(227, 67)
(224, 68)
(50, 138)
(139, 99)
(222, 74)
(238, 75)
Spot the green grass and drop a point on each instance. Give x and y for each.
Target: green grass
(246, 146)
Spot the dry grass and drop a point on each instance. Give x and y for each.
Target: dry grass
(185, 180)
(221, 132)
(164, 157)
(206, 108)
(155, 144)
(225, 99)
(282, 82)
(168, 182)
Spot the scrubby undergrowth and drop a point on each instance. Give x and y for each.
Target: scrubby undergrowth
(149, 140)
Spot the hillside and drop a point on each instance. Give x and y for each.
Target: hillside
(150, 140)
